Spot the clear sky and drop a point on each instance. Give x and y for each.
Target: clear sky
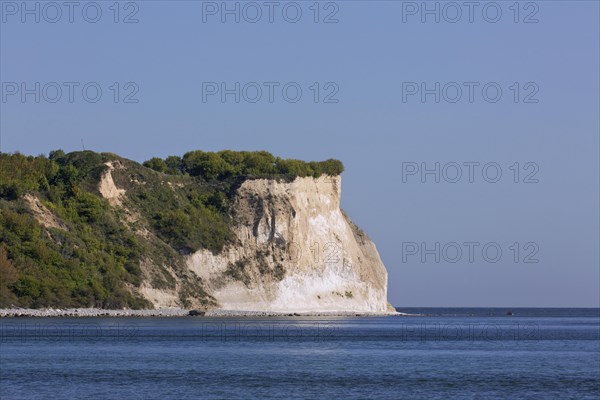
(369, 68)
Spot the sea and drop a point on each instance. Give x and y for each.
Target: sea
(441, 353)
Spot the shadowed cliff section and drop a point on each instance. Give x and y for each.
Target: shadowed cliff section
(89, 229)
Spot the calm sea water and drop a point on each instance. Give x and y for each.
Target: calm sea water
(450, 353)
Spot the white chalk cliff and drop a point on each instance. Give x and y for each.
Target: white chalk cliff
(294, 251)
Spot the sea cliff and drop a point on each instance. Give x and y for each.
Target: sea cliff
(229, 231)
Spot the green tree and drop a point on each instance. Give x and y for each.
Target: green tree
(332, 167)
(208, 165)
(55, 154)
(294, 168)
(235, 159)
(89, 207)
(259, 163)
(174, 165)
(157, 164)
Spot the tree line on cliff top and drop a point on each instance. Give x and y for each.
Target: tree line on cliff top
(227, 163)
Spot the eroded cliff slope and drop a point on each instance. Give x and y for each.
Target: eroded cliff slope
(294, 250)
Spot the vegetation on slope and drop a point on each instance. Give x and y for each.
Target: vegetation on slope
(172, 207)
(87, 264)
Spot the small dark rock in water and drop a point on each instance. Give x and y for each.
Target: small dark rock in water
(196, 313)
(510, 313)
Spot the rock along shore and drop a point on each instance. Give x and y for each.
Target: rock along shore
(174, 312)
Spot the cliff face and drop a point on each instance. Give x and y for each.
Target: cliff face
(294, 250)
(89, 229)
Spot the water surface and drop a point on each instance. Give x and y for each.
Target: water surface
(450, 353)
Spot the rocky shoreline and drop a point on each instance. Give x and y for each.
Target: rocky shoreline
(175, 312)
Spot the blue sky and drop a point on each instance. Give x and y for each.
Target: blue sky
(362, 65)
